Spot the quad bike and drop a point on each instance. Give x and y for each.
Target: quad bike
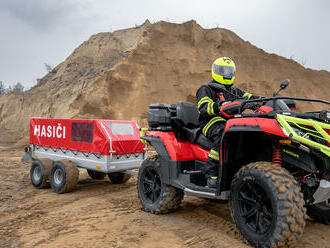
(274, 165)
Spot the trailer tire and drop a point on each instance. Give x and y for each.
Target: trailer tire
(63, 176)
(96, 174)
(39, 172)
(118, 177)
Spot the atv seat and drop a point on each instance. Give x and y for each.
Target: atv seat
(187, 118)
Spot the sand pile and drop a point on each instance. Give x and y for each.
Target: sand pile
(117, 75)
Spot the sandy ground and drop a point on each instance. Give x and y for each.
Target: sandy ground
(100, 214)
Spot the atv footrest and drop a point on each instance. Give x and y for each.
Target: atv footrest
(192, 172)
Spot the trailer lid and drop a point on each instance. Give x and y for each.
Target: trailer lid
(94, 136)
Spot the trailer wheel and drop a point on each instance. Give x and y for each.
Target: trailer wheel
(96, 174)
(63, 176)
(39, 173)
(118, 177)
(267, 205)
(155, 196)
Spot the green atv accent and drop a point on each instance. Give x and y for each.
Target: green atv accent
(301, 129)
(291, 153)
(142, 132)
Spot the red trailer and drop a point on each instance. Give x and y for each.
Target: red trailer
(58, 146)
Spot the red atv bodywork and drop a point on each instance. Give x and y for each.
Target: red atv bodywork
(179, 150)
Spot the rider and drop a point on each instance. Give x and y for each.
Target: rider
(218, 101)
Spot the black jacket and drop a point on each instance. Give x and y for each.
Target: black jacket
(210, 96)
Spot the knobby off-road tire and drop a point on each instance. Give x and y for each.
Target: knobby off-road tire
(155, 196)
(39, 172)
(267, 205)
(118, 177)
(63, 176)
(96, 174)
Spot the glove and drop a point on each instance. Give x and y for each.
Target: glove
(221, 103)
(251, 105)
(229, 109)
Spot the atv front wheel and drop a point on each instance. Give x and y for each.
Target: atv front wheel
(155, 196)
(267, 205)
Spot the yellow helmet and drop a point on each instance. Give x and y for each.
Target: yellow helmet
(223, 71)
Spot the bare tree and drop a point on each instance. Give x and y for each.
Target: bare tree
(2, 88)
(48, 67)
(18, 88)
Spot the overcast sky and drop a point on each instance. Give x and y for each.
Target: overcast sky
(34, 32)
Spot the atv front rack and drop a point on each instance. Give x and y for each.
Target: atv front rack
(307, 131)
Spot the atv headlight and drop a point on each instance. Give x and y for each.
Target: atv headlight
(309, 133)
(300, 132)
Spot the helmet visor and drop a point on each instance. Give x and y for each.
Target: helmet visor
(225, 71)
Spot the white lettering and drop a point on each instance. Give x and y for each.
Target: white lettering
(37, 130)
(43, 131)
(49, 131)
(58, 130)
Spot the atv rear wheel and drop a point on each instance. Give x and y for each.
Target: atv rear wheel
(39, 172)
(155, 196)
(96, 174)
(118, 177)
(267, 205)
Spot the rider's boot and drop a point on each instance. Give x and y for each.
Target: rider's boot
(212, 181)
(212, 168)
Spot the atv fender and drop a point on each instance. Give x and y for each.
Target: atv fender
(234, 153)
(163, 156)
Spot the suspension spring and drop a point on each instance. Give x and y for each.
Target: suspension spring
(277, 155)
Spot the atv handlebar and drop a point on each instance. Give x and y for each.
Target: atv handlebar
(280, 98)
(250, 105)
